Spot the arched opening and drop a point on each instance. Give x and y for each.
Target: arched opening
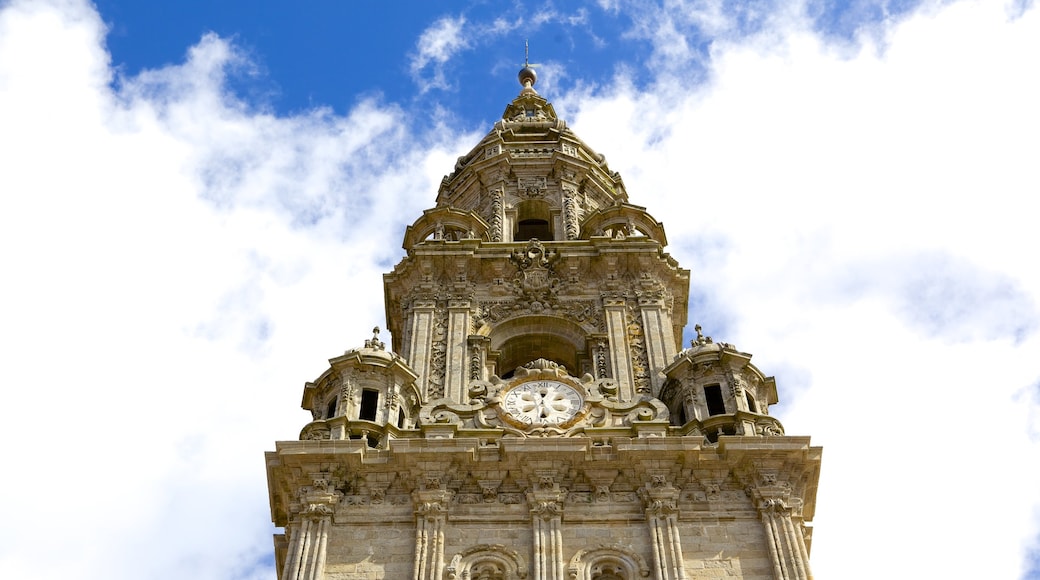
(524, 349)
(487, 570)
(533, 221)
(751, 406)
(608, 563)
(522, 340)
(607, 572)
(487, 562)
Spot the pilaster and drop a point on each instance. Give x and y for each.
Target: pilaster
(431, 513)
(660, 345)
(419, 348)
(546, 516)
(309, 533)
(456, 355)
(615, 310)
(662, 516)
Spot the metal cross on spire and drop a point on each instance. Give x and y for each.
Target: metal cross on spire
(527, 53)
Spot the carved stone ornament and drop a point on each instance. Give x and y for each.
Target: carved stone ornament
(535, 264)
(584, 312)
(637, 344)
(319, 509)
(531, 186)
(315, 432)
(540, 402)
(546, 509)
(496, 215)
(438, 356)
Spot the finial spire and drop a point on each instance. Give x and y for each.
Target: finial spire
(701, 340)
(527, 75)
(375, 343)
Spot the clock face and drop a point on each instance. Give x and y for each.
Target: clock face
(542, 403)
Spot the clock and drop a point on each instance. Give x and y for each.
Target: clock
(542, 403)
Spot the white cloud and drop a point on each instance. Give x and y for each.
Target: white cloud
(449, 37)
(860, 218)
(436, 45)
(172, 261)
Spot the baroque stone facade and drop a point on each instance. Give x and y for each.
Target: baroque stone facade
(536, 415)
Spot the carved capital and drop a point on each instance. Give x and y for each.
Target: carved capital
(660, 508)
(431, 504)
(547, 509)
(775, 506)
(659, 497)
(318, 511)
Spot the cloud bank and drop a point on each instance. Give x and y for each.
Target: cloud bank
(860, 216)
(176, 264)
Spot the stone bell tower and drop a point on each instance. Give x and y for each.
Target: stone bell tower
(536, 415)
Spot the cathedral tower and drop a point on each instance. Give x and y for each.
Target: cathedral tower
(536, 415)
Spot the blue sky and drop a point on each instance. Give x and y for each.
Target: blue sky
(198, 200)
(324, 53)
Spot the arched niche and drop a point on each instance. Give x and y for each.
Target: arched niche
(623, 218)
(448, 224)
(614, 562)
(526, 338)
(534, 220)
(487, 562)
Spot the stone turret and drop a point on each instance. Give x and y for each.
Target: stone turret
(713, 389)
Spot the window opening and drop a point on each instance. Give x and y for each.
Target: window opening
(713, 396)
(487, 571)
(400, 418)
(682, 414)
(330, 411)
(607, 572)
(369, 403)
(533, 228)
(750, 402)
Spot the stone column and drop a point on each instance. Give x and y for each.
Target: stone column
(431, 511)
(305, 558)
(548, 541)
(786, 545)
(662, 517)
(546, 502)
